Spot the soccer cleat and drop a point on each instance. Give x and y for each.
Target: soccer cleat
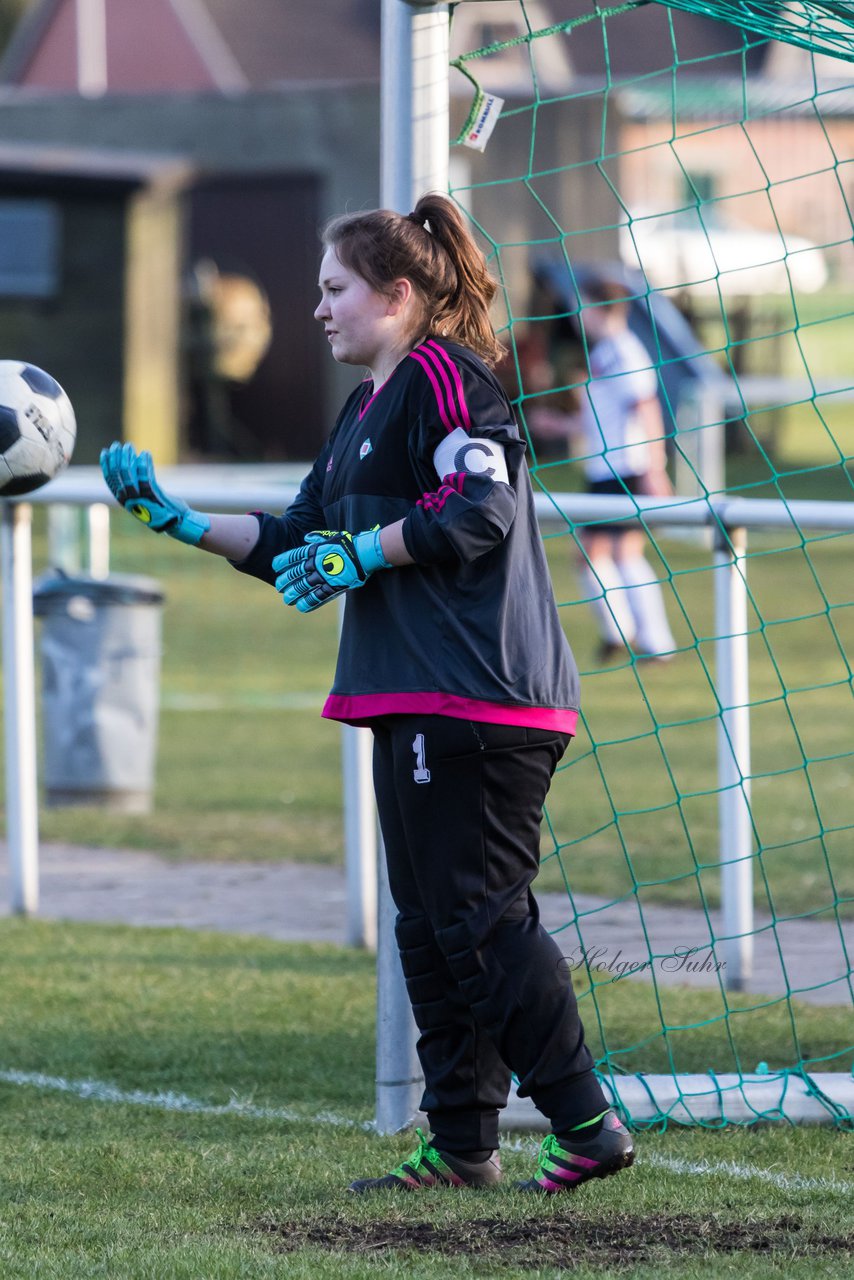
(428, 1168)
(564, 1165)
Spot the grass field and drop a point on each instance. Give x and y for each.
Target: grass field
(177, 1105)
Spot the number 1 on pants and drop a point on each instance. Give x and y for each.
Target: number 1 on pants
(420, 773)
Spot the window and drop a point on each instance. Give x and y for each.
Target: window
(29, 248)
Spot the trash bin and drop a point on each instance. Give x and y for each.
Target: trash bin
(100, 661)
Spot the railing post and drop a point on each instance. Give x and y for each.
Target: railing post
(399, 1079)
(98, 525)
(63, 537)
(360, 837)
(735, 823)
(360, 829)
(20, 705)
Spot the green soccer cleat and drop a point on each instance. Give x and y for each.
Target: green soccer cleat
(428, 1168)
(563, 1165)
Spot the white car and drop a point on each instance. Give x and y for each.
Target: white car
(678, 250)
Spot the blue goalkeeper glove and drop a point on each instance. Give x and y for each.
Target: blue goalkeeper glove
(329, 563)
(131, 480)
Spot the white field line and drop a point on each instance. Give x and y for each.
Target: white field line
(729, 1169)
(99, 1091)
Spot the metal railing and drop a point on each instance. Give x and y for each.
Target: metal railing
(729, 518)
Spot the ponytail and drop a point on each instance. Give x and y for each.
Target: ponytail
(463, 314)
(433, 248)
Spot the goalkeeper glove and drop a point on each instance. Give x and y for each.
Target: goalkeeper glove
(131, 480)
(329, 563)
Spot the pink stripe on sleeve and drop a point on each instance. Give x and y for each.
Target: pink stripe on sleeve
(425, 365)
(458, 382)
(433, 352)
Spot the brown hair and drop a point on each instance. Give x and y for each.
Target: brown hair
(432, 248)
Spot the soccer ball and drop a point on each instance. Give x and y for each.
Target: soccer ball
(37, 428)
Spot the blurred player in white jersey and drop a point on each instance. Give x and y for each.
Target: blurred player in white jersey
(619, 434)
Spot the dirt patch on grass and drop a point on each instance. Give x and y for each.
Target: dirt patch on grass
(564, 1242)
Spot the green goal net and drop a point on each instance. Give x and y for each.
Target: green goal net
(687, 171)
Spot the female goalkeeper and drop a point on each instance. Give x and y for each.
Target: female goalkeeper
(420, 509)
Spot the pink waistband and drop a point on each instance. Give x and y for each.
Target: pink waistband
(360, 709)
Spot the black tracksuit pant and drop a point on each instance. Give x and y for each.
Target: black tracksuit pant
(460, 805)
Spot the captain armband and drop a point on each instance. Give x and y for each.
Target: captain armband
(474, 455)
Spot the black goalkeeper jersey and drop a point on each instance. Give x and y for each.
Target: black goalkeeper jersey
(471, 630)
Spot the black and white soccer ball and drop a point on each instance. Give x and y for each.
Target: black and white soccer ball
(37, 428)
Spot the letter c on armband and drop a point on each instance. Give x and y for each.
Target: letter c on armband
(474, 455)
(461, 457)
